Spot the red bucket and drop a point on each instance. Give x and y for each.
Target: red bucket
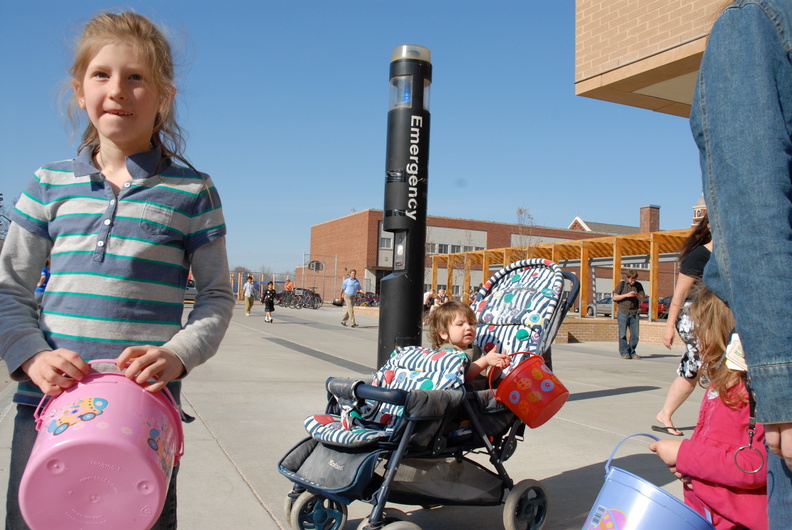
(531, 391)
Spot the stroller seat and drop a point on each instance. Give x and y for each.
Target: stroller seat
(361, 423)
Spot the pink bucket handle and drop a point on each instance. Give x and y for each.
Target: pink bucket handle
(489, 377)
(168, 396)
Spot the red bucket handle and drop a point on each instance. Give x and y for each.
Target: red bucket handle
(489, 376)
(168, 396)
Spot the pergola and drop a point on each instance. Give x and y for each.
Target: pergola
(652, 244)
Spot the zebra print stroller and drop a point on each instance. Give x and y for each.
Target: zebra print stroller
(406, 436)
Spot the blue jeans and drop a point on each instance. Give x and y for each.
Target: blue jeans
(21, 447)
(627, 349)
(740, 118)
(779, 494)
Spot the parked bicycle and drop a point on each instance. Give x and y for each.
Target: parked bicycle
(299, 298)
(367, 299)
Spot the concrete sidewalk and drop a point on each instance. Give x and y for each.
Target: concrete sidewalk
(250, 400)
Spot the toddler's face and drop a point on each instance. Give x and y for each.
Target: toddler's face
(461, 333)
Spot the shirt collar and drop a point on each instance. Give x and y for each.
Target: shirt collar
(140, 165)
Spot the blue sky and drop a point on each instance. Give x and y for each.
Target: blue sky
(286, 102)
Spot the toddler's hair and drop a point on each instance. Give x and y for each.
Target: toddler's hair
(442, 316)
(152, 47)
(713, 321)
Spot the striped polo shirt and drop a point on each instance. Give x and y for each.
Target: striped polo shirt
(119, 264)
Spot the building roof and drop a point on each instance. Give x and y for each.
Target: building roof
(602, 228)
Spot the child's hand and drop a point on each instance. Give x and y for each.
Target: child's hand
(141, 363)
(668, 450)
(54, 371)
(498, 360)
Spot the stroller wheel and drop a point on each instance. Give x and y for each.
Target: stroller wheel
(526, 506)
(391, 518)
(288, 503)
(312, 512)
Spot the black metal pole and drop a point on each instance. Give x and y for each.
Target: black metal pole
(406, 172)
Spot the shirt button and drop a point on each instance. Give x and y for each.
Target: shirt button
(112, 202)
(107, 222)
(100, 244)
(127, 184)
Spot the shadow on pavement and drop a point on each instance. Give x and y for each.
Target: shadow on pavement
(578, 396)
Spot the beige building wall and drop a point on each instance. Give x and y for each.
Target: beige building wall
(643, 53)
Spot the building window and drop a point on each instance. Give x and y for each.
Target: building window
(385, 242)
(455, 249)
(430, 248)
(442, 249)
(467, 248)
(479, 248)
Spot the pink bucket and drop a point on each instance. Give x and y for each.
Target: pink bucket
(532, 392)
(103, 456)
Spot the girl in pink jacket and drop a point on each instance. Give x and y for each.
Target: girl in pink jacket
(722, 466)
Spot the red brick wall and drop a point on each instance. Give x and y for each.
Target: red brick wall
(576, 329)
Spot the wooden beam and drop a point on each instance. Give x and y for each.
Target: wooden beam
(585, 282)
(654, 277)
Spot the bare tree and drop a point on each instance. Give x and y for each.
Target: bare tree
(525, 231)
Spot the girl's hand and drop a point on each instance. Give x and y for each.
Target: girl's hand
(55, 370)
(142, 363)
(667, 450)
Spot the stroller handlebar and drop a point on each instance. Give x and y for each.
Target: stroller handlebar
(356, 389)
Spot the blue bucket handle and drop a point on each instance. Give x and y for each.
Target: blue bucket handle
(708, 516)
(607, 464)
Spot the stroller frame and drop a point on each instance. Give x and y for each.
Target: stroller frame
(429, 434)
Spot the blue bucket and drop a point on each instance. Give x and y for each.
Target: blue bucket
(628, 502)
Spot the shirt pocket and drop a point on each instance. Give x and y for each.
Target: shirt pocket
(157, 220)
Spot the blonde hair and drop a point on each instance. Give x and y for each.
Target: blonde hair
(713, 325)
(152, 47)
(442, 316)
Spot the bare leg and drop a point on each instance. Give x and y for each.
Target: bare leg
(678, 392)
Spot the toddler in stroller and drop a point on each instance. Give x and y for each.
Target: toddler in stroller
(408, 437)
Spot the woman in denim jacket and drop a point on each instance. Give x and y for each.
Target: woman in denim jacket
(741, 119)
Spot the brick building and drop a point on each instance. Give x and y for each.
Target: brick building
(642, 53)
(357, 241)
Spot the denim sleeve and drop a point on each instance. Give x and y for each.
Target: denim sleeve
(741, 122)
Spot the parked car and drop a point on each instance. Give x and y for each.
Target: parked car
(603, 307)
(662, 306)
(190, 291)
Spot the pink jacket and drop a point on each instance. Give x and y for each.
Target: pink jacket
(735, 499)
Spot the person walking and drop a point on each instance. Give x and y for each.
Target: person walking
(248, 291)
(349, 289)
(629, 294)
(269, 302)
(693, 257)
